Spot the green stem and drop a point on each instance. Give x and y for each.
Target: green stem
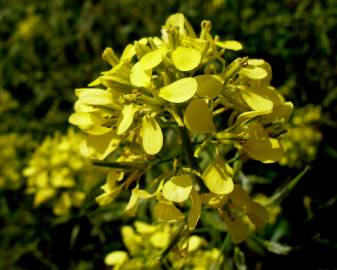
(281, 194)
(224, 250)
(121, 165)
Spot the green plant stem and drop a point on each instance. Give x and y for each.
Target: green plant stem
(282, 193)
(120, 165)
(224, 250)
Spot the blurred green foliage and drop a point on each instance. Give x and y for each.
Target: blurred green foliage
(47, 48)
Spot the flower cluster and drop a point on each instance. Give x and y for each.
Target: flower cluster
(58, 172)
(170, 114)
(302, 138)
(145, 243)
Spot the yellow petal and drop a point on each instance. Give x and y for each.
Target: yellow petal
(83, 120)
(160, 239)
(99, 146)
(262, 64)
(266, 150)
(280, 112)
(140, 77)
(230, 45)
(195, 210)
(208, 85)
(178, 188)
(254, 73)
(141, 49)
(198, 117)
(256, 100)
(89, 123)
(43, 195)
(214, 200)
(80, 106)
(107, 198)
(132, 241)
(143, 194)
(132, 205)
(62, 205)
(236, 228)
(126, 118)
(166, 211)
(186, 59)
(96, 96)
(153, 59)
(256, 131)
(112, 177)
(240, 198)
(257, 214)
(179, 91)
(116, 258)
(270, 92)
(152, 136)
(194, 243)
(218, 179)
(245, 116)
(144, 228)
(176, 20)
(128, 53)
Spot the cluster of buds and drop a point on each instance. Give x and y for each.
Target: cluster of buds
(171, 116)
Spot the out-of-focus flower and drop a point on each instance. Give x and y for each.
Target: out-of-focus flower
(302, 138)
(58, 172)
(145, 243)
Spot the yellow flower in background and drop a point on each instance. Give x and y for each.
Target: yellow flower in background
(11, 161)
(145, 243)
(58, 172)
(302, 139)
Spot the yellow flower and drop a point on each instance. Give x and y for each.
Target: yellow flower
(58, 172)
(145, 242)
(156, 111)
